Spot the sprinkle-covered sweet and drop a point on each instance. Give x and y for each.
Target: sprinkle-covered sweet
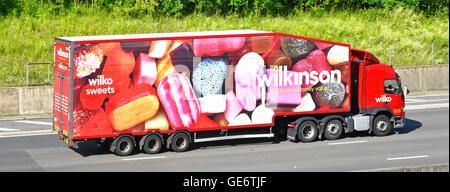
(209, 75)
(296, 47)
(329, 95)
(87, 61)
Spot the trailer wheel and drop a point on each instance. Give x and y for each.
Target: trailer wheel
(308, 131)
(333, 129)
(124, 146)
(180, 142)
(382, 125)
(152, 144)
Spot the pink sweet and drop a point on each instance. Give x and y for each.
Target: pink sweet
(233, 107)
(321, 45)
(178, 100)
(217, 46)
(248, 69)
(316, 61)
(286, 92)
(145, 70)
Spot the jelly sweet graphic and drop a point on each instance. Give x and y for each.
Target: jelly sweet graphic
(145, 70)
(179, 101)
(249, 67)
(217, 46)
(131, 107)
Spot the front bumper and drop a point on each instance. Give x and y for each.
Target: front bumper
(399, 121)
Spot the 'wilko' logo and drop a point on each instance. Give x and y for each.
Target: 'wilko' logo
(383, 99)
(62, 53)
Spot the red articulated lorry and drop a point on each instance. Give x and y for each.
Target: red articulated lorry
(168, 90)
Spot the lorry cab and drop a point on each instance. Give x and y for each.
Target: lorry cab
(379, 90)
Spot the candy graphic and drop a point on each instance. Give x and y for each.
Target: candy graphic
(87, 61)
(182, 55)
(321, 45)
(212, 103)
(277, 57)
(329, 95)
(217, 46)
(248, 68)
(131, 107)
(306, 105)
(283, 93)
(261, 44)
(179, 101)
(90, 122)
(221, 120)
(241, 119)
(164, 65)
(208, 77)
(159, 121)
(294, 47)
(92, 96)
(234, 56)
(145, 70)
(233, 107)
(338, 54)
(316, 61)
(262, 114)
(159, 48)
(118, 62)
(204, 122)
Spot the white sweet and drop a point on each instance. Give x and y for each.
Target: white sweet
(241, 119)
(307, 104)
(338, 54)
(215, 103)
(262, 115)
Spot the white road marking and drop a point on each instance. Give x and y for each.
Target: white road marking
(431, 95)
(34, 122)
(144, 158)
(349, 142)
(424, 100)
(26, 135)
(425, 106)
(410, 157)
(8, 129)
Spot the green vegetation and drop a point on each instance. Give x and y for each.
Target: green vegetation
(27, 33)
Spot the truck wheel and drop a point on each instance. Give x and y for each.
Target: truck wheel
(152, 144)
(180, 142)
(308, 131)
(382, 125)
(124, 146)
(333, 129)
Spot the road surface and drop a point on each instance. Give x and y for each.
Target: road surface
(27, 145)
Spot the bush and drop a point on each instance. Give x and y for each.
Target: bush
(178, 8)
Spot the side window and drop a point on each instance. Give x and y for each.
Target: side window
(391, 86)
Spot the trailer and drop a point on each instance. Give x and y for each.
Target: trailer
(168, 90)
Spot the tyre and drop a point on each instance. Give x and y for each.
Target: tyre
(152, 144)
(333, 129)
(124, 146)
(382, 125)
(180, 142)
(307, 131)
